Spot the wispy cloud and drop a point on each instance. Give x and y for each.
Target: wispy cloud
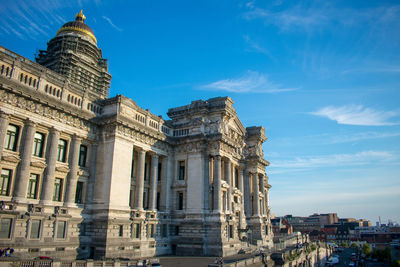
(312, 16)
(112, 24)
(395, 69)
(357, 115)
(356, 159)
(250, 82)
(254, 46)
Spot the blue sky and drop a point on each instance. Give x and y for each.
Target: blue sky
(322, 77)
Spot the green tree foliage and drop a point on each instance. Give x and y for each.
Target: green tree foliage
(354, 245)
(344, 244)
(366, 249)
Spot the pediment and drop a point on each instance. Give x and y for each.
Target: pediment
(38, 164)
(62, 169)
(11, 158)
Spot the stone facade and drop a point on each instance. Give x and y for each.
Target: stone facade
(84, 175)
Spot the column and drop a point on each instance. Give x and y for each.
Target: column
(3, 130)
(51, 159)
(72, 177)
(164, 183)
(228, 180)
(140, 179)
(262, 190)
(256, 203)
(22, 175)
(217, 183)
(153, 182)
(241, 186)
(92, 158)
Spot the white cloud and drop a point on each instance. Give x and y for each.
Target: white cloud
(357, 115)
(250, 82)
(112, 24)
(356, 159)
(311, 16)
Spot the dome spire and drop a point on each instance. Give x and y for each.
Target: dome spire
(80, 17)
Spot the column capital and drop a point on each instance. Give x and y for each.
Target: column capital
(54, 130)
(140, 149)
(3, 115)
(76, 137)
(30, 122)
(154, 156)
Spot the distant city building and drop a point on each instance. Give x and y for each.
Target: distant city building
(85, 175)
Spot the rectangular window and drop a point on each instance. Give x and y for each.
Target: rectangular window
(11, 139)
(136, 230)
(61, 229)
(82, 156)
(58, 187)
(121, 231)
(79, 192)
(33, 186)
(35, 229)
(61, 150)
(237, 178)
(5, 227)
(164, 228)
(230, 231)
(224, 206)
(159, 172)
(38, 144)
(176, 229)
(158, 201)
(5, 182)
(145, 171)
(152, 232)
(181, 170)
(180, 201)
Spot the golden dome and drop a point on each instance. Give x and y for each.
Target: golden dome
(78, 26)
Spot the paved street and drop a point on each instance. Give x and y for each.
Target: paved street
(196, 261)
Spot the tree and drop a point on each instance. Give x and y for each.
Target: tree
(366, 249)
(354, 245)
(344, 244)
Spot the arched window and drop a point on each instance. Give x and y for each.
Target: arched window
(46, 88)
(2, 69)
(79, 102)
(26, 79)
(75, 101)
(34, 83)
(58, 92)
(88, 106)
(68, 98)
(21, 77)
(54, 91)
(30, 81)
(50, 89)
(7, 70)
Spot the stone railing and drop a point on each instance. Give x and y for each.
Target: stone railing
(10, 262)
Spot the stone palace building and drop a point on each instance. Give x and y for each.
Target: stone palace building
(88, 176)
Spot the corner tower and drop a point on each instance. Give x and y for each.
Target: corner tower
(74, 54)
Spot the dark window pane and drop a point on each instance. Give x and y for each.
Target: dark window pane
(5, 227)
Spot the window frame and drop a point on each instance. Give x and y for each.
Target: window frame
(62, 147)
(181, 170)
(35, 191)
(39, 233)
(82, 155)
(12, 137)
(10, 228)
(38, 144)
(3, 178)
(57, 230)
(58, 194)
